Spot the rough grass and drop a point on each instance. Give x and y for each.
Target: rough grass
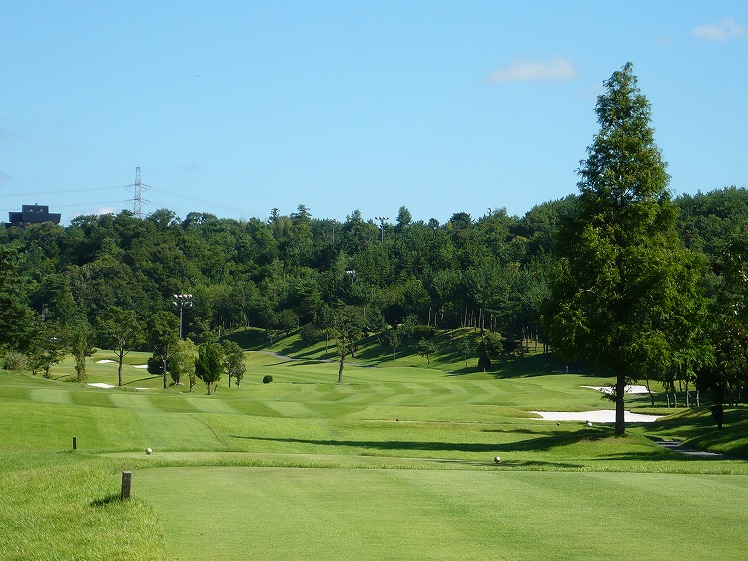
(60, 507)
(397, 454)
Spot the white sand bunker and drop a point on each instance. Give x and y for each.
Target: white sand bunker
(109, 386)
(104, 361)
(140, 366)
(628, 389)
(599, 416)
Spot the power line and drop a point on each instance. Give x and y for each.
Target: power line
(213, 204)
(58, 192)
(137, 200)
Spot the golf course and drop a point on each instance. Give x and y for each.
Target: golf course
(400, 462)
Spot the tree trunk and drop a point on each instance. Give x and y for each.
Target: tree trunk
(620, 413)
(340, 371)
(651, 395)
(119, 372)
(719, 409)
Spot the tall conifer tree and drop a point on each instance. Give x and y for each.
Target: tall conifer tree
(625, 298)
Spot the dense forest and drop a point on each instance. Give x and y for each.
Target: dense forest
(67, 289)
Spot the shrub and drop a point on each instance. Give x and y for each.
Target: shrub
(421, 331)
(155, 365)
(14, 361)
(267, 378)
(414, 330)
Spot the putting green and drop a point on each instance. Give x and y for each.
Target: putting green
(414, 514)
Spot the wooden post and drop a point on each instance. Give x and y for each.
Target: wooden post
(126, 482)
(75, 443)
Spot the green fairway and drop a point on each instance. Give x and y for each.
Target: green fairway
(395, 463)
(277, 513)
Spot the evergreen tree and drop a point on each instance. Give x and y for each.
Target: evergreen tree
(626, 287)
(210, 364)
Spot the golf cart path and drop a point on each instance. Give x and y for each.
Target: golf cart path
(674, 445)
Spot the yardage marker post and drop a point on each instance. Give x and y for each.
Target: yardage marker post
(126, 483)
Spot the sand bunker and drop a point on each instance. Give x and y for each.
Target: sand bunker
(109, 386)
(599, 416)
(629, 389)
(104, 361)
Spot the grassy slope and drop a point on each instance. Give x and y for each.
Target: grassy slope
(450, 421)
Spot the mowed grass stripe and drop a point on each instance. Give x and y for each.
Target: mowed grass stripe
(441, 514)
(135, 401)
(51, 426)
(51, 395)
(210, 404)
(290, 409)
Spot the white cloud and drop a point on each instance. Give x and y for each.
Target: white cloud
(557, 69)
(728, 29)
(106, 210)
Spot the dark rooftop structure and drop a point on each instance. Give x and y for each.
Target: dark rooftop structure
(32, 214)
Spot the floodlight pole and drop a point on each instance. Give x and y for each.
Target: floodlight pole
(182, 301)
(381, 221)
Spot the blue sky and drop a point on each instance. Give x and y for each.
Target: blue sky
(235, 108)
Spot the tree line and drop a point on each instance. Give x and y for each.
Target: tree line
(297, 272)
(110, 280)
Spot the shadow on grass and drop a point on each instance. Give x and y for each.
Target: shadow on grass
(146, 379)
(528, 367)
(659, 456)
(540, 443)
(109, 499)
(696, 429)
(252, 339)
(517, 464)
